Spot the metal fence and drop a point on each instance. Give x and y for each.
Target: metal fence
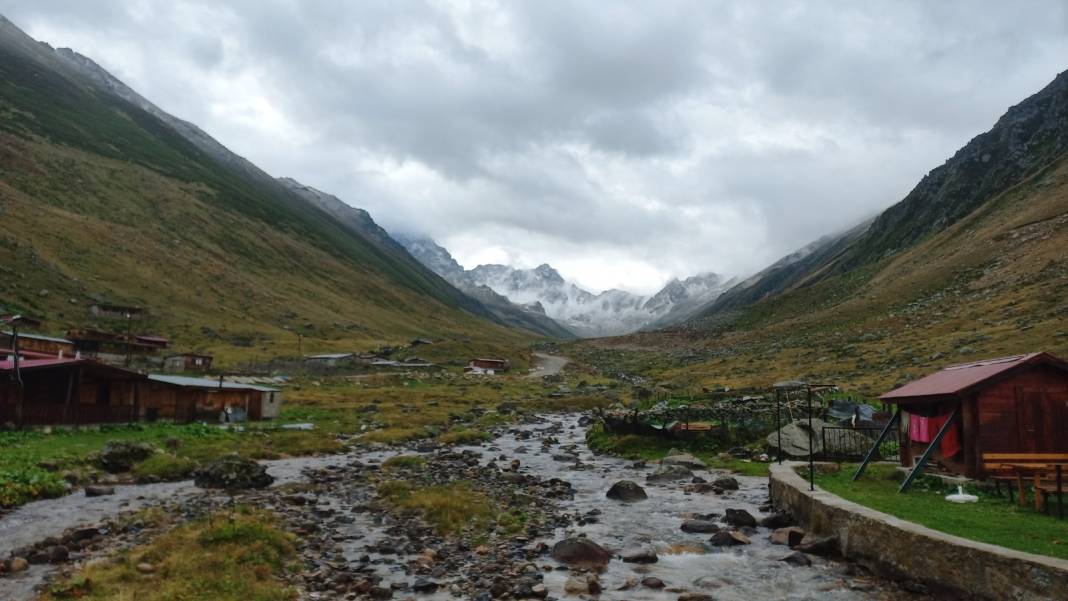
(846, 443)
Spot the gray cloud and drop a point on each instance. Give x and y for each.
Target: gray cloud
(623, 142)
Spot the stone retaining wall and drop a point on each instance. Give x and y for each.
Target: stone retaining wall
(896, 548)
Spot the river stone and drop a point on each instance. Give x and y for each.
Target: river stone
(581, 552)
(19, 564)
(797, 559)
(626, 491)
(97, 490)
(777, 520)
(790, 536)
(739, 518)
(422, 585)
(695, 597)
(700, 526)
(233, 473)
(119, 456)
(669, 473)
(726, 483)
(653, 582)
(728, 538)
(819, 545)
(640, 554)
(685, 460)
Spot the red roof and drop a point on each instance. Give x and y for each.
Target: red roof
(959, 378)
(8, 364)
(94, 366)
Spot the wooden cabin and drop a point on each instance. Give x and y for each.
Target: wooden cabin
(1009, 405)
(188, 362)
(183, 398)
(49, 345)
(69, 391)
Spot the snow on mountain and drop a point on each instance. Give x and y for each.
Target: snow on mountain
(543, 289)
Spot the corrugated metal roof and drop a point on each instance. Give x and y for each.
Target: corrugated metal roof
(191, 382)
(958, 378)
(40, 337)
(330, 356)
(8, 364)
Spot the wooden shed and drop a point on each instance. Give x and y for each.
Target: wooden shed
(49, 345)
(1013, 404)
(183, 399)
(188, 362)
(69, 391)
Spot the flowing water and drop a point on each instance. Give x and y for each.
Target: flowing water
(751, 572)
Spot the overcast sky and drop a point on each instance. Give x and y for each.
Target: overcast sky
(624, 143)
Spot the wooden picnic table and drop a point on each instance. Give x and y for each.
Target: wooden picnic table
(1036, 471)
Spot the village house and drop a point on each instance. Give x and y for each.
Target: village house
(49, 345)
(114, 348)
(188, 362)
(112, 311)
(329, 359)
(183, 398)
(486, 366)
(68, 391)
(997, 409)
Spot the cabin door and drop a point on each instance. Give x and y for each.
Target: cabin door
(1029, 419)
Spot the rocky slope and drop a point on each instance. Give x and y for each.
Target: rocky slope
(105, 197)
(544, 290)
(972, 263)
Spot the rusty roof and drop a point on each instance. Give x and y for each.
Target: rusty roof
(956, 379)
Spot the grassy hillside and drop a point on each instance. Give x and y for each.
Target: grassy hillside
(100, 199)
(994, 282)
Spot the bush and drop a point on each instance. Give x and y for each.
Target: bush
(463, 436)
(404, 462)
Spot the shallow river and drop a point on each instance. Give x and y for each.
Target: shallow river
(745, 573)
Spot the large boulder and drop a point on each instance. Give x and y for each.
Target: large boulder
(581, 552)
(120, 456)
(795, 439)
(233, 473)
(685, 460)
(700, 526)
(669, 473)
(739, 518)
(627, 491)
(639, 554)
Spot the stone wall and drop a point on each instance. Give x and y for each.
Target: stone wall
(896, 548)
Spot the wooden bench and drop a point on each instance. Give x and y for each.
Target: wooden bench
(1009, 468)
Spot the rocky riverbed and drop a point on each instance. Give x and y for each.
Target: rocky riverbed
(696, 534)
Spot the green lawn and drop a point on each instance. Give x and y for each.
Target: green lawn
(992, 520)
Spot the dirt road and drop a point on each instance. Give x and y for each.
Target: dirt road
(547, 365)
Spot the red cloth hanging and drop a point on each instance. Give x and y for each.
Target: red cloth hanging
(924, 429)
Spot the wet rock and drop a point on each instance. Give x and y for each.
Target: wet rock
(120, 456)
(626, 491)
(19, 564)
(685, 460)
(739, 517)
(728, 538)
(777, 520)
(695, 597)
(653, 582)
(640, 554)
(791, 536)
(422, 585)
(58, 554)
(581, 552)
(582, 585)
(99, 490)
(669, 473)
(233, 473)
(700, 526)
(726, 483)
(539, 590)
(378, 592)
(797, 559)
(819, 545)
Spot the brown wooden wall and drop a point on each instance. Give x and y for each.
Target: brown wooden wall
(1025, 413)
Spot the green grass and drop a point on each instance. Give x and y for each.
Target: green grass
(992, 520)
(448, 508)
(164, 467)
(463, 436)
(654, 448)
(247, 560)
